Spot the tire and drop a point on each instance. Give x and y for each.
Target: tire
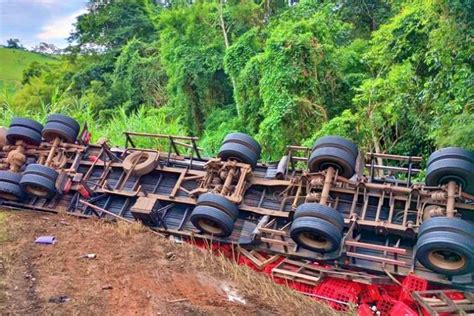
(10, 192)
(39, 186)
(9, 186)
(238, 152)
(212, 221)
(3, 137)
(41, 170)
(448, 253)
(443, 170)
(147, 162)
(451, 224)
(29, 136)
(324, 157)
(451, 152)
(10, 177)
(65, 120)
(219, 202)
(338, 142)
(53, 129)
(245, 140)
(315, 234)
(28, 123)
(320, 211)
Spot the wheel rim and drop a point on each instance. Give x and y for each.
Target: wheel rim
(8, 196)
(314, 240)
(459, 180)
(209, 226)
(447, 259)
(36, 190)
(235, 159)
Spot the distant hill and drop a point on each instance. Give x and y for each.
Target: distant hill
(14, 61)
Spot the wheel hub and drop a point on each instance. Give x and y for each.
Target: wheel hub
(36, 190)
(314, 240)
(210, 226)
(447, 259)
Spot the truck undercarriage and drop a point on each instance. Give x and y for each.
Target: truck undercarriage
(330, 204)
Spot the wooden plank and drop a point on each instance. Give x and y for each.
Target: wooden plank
(375, 247)
(272, 231)
(294, 275)
(178, 183)
(251, 257)
(378, 259)
(274, 241)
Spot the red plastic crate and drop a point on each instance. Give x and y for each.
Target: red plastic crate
(410, 284)
(370, 294)
(364, 310)
(303, 287)
(392, 290)
(340, 290)
(330, 284)
(401, 309)
(455, 295)
(385, 304)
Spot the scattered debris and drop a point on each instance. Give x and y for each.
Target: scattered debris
(233, 295)
(59, 299)
(88, 256)
(170, 256)
(178, 300)
(46, 240)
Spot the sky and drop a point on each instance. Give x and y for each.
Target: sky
(35, 21)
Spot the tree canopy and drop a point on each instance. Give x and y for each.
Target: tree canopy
(393, 76)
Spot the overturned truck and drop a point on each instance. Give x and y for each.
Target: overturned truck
(329, 203)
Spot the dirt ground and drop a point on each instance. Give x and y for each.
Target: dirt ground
(134, 273)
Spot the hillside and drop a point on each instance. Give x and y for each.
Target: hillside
(134, 273)
(14, 61)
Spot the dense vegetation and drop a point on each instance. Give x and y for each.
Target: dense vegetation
(392, 75)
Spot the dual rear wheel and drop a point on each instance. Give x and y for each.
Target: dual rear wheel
(36, 180)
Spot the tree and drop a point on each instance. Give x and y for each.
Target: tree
(111, 24)
(14, 43)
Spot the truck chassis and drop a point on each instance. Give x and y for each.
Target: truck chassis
(382, 216)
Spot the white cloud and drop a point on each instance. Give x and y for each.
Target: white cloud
(59, 27)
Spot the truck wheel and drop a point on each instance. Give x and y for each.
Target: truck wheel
(145, 161)
(451, 164)
(320, 211)
(212, 221)
(316, 234)
(219, 202)
(38, 180)
(238, 152)
(446, 252)
(60, 126)
(451, 224)
(245, 140)
(451, 152)
(65, 120)
(324, 157)
(26, 130)
(336, 141)
(41, 170)
(9, 186)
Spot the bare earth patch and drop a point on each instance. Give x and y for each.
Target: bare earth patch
(135, 273)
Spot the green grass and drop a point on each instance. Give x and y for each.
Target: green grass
(13, 62)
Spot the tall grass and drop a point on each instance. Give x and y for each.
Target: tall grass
(145, 119)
